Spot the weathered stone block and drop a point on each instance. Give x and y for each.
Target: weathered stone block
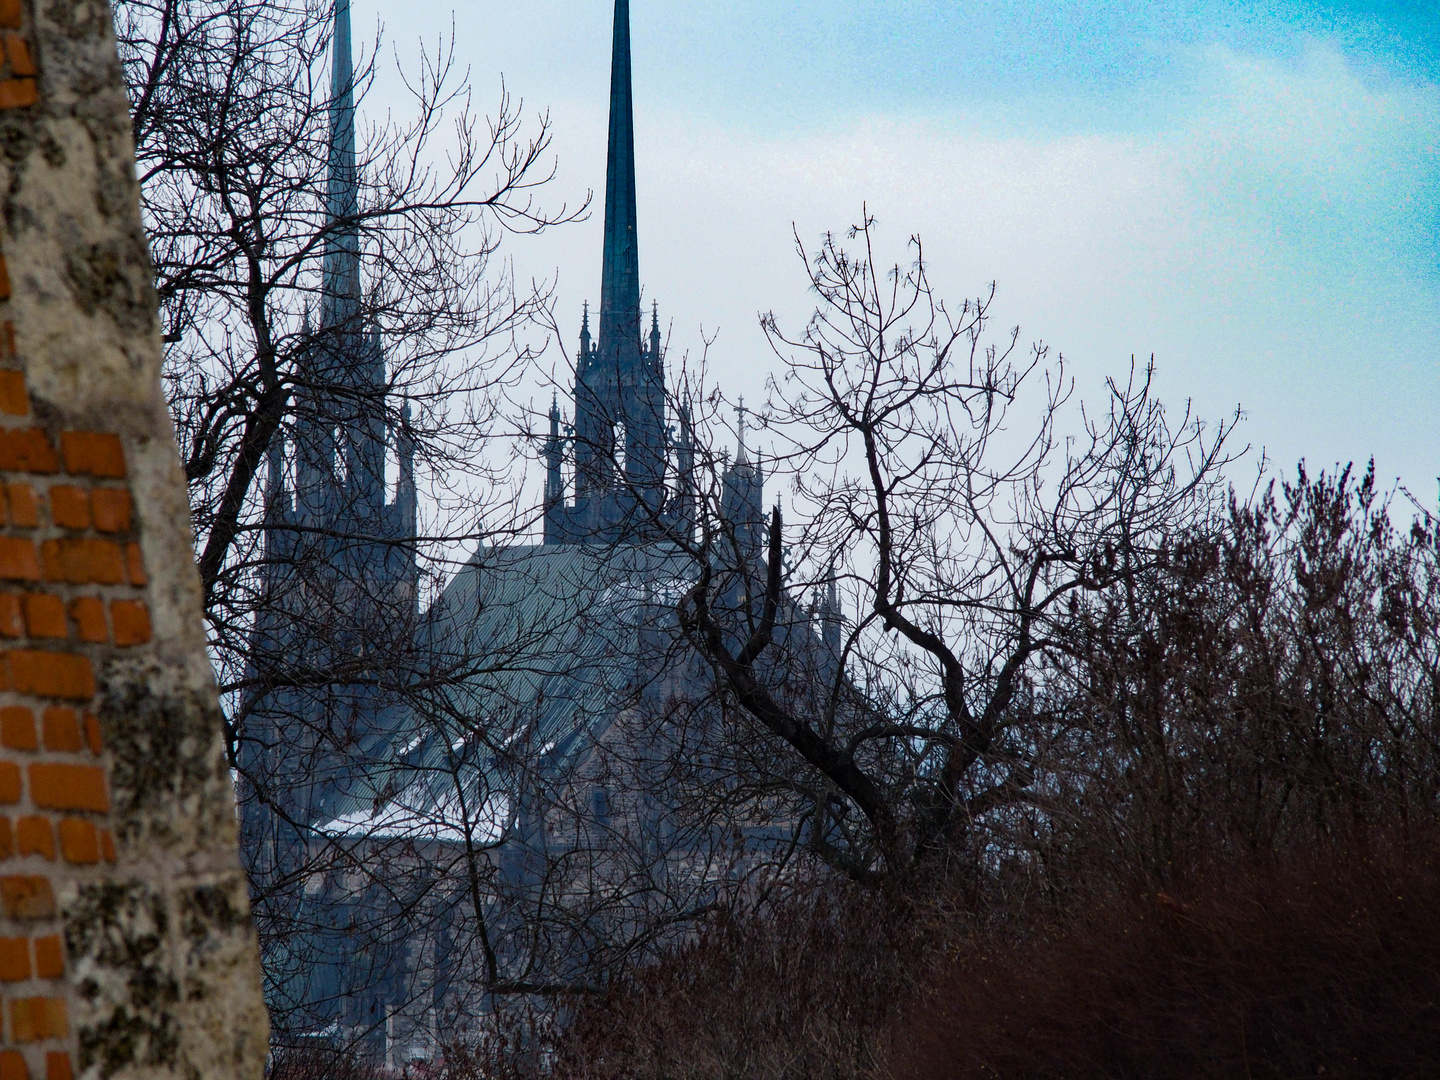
(98, 937)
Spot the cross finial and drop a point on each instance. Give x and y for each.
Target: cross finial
(741, 458)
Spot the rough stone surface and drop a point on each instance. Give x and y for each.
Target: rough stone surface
(117, 819)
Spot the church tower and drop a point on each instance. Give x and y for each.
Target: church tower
(341, 435)
(621, 449)
(339, 569)
(337, 615)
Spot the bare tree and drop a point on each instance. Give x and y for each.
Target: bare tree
(960, 531)
(335, 312)
(1277, 693)
(234, 111)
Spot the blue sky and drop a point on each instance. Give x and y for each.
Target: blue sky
(1249, 192)
(793, 63)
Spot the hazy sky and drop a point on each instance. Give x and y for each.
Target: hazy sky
(1251, 195)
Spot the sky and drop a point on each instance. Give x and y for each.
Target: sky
(1249, 193)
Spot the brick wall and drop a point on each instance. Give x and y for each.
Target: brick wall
(74, 583)
(125, 943)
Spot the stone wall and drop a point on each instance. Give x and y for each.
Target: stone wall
(125, 942)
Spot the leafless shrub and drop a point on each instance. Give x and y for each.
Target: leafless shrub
(1226, 869)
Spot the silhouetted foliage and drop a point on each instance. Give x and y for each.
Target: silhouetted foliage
(1229, 871)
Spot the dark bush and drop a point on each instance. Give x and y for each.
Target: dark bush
(1328, 970)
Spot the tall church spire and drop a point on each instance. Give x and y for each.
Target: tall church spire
(349, 352)
(620, 271)
(741, 457)
(341, 297)
(620, 387)
(605, 380)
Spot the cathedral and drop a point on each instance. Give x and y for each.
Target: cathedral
(439, 802)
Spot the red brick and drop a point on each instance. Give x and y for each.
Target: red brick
(93, 453)
(113, 509)
(26, 897)
(49, 674)
(36, 1018)
(107, 846)
(62, 729)
(18, 54)
(18, 561)
(12, 1066)
(79, 841)
(9, 783)
(24, 505)
(68, 787)
(70, 506)
(49, 957)
(10, 13)
(16, 94)
(17, 728)
(13, 399)
(7, 839)
(135, 565)
(11, 624)
(92, 734)
(57, 1066)
(27, 449)
(33, 836)
(44, 615)
(14, 959)
(107, 562)
(131, 619)
(80, 561)
(88, 612)
(65, 563)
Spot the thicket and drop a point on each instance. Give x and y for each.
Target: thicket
(1229, 869)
